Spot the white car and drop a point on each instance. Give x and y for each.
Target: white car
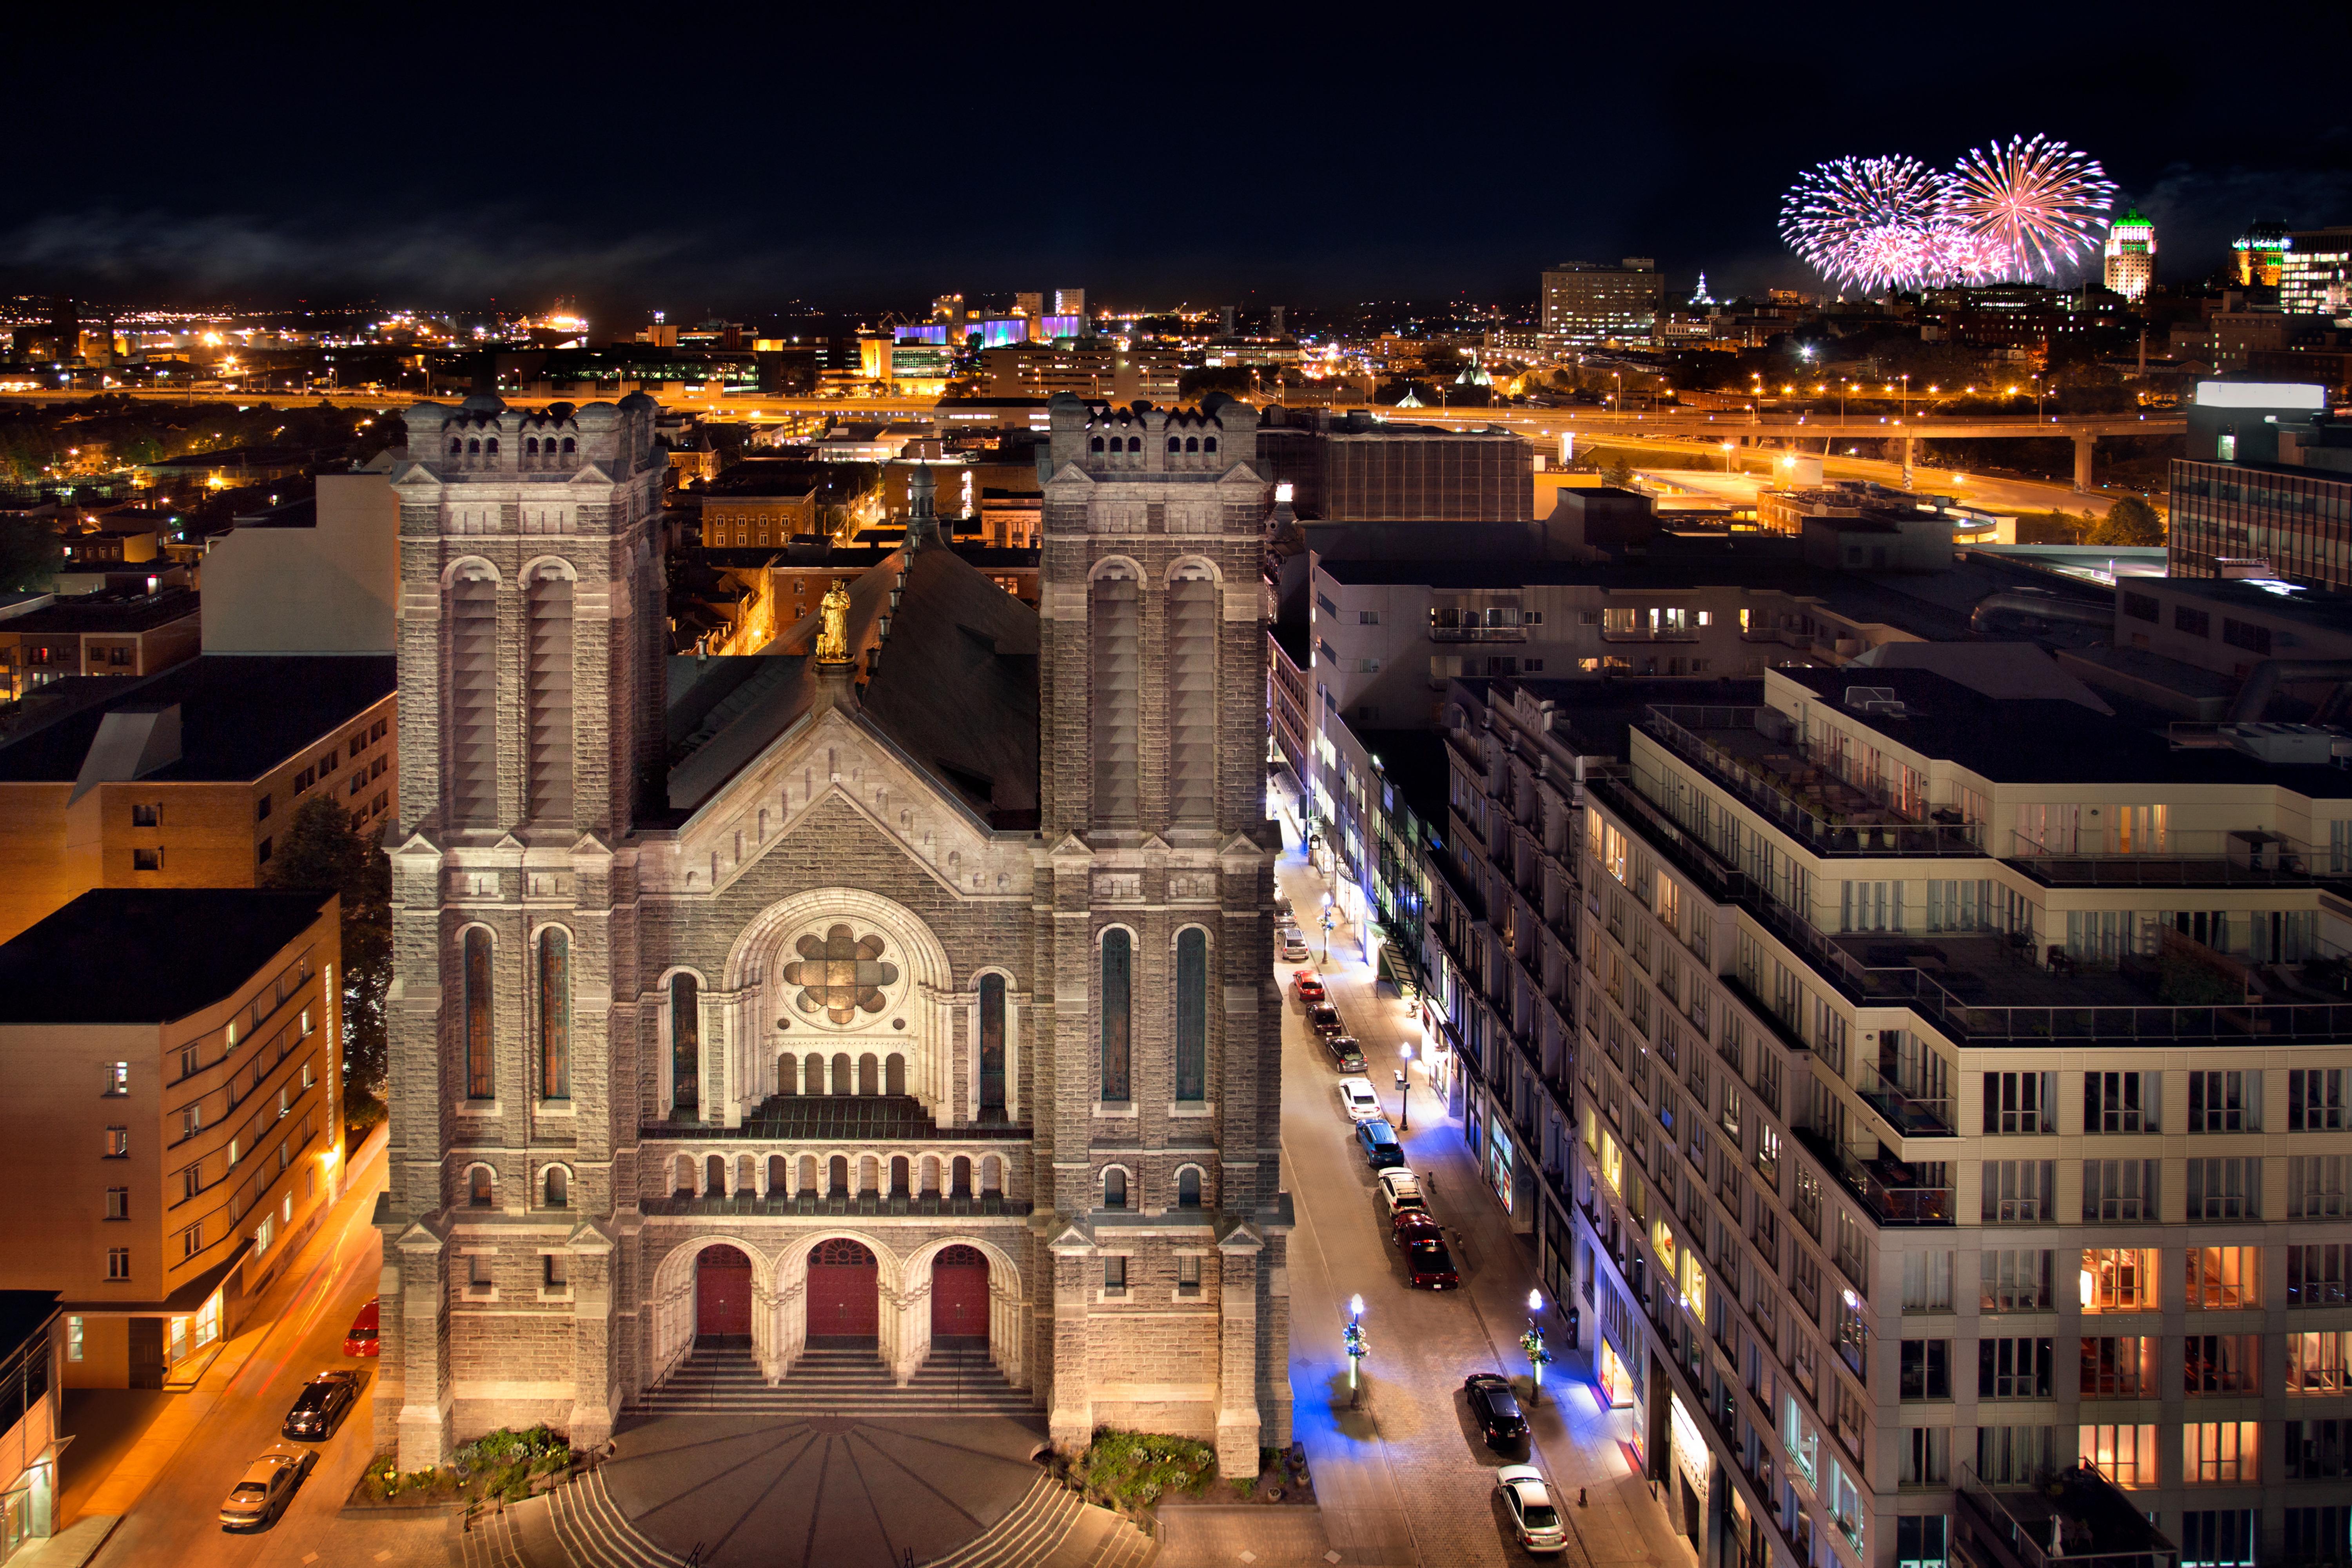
(1401, 1189)
(1357, 1099)
(1292, 943)
(1533, 1514)
(267, 1487)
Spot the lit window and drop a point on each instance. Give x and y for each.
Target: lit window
(118, 1078)
(73, 1338)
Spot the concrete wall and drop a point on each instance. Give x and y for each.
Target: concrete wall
(325, 589)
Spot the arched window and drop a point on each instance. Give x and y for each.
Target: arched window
(1096, 446)
(1193, 623)
(844, 1080)
(457, 447)
(554, 1014)
(480, 1082)
(473, 724)
(1117, 636)
(1174, 445)
(1114, 1188)
(530, 447)
(550, 696)
(1135, 443)
(1192, 443)
(788, 1074)
(567, 445)
(492, 445)
(1192, 1014)
(992, 1047)
(894, 1074)
(480, 1190)
(714, 1176)
(869, 1074)
(1118, 964)
(836, 1180)
(474, 446)
(1207, 443)
(1188, 1187)
(685, 1044)
(559, 1187)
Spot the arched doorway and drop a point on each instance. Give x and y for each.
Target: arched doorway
(959, 1295)
(722, 1297)
(844, 1291)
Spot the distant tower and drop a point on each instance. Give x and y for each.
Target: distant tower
(1699, 296)
(1070, 301)
(2131, 255)
(2260, 253)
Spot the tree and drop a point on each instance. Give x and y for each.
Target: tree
(29, 556)
(321, 850)
(2130, 521)
(1620, 473)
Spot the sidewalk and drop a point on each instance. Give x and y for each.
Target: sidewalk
(183, 1413)
(1577, 1442)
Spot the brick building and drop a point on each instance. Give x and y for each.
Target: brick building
(766, 1014)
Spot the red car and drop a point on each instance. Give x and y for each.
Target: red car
(1428, 1266)
(363, 1339)
(1310, 989)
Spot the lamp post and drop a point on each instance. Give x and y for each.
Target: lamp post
(1330, 918)
(1532, 1342)
(1356, 1345)
(1404, 1089)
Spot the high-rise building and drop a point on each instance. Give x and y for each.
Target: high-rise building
(947, 311)
(1070, 302)
(2258, 251)
(2313, 270)
(1586, 303)
(2267, 480)
(661, 921)
(2131, 255)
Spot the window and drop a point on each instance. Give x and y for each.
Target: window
(2119, 1280)
(2139, 607)
(2221, 1451)
(2225, 1278)
(1920, 1538)
(2224, 1538)
(1114, 1188)
(147, 859)
(2014, 1368)
(192, 1241)
(2020, 1102)
(2315, 1100)
(2225, 1102)
(2314, 1186)
(2119, 1367)
(1116, 636)
(992, 1047)
(1115, 1276)
(2019, 1192)
(548, 744)
(1188, 1275)
(1188, 1187)
(118, 1078)
(2119, 1101)
(118, 1263)
(2127, 1455)
(261, 813)
(73, 1338)
(1926, 1369)
(1192, 1015)
(558, 1187)
(188, 1060)
(2225, 1363)
(118, 1203)
(1927, 1281)
(480, 1083)
(192, 1120)
(2320, 1362)
(261, 853)
(2118, 1191)
(2196, 622)
(146, 816)
(1118, 950)
(479, 1187)
(1927, 1456)
(2314, 1274)
(685, 1044)
(477, 1273)
(555, 1274)
(2246, 634)
(2225, 1189)
(555, 1013)
(2317, 1534)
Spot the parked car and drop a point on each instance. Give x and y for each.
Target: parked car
(1428, 1266)
(1379, 1142)
(321, 1405)
(1282, 905)
(267, 1485)
(1496, 1408)
(1310, 987)
(1357, 1099)
(1292, 943)
(1324, 1019)
(1346, 1055)
(1533, 1513)
(1401, 1189)
(363, 1339)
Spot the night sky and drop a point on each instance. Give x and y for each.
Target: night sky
(697, 159)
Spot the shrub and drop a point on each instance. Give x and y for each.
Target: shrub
(1131, 1469)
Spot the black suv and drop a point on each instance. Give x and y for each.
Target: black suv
(321, 1405)
(1346, 1055)
(1496, 1407)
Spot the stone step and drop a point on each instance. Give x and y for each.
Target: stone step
(1025, 1537)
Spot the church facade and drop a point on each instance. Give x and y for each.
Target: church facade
(902, 988)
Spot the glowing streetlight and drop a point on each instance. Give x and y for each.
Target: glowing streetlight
(1532, 1342)
(1404, 1089)
(1356, 1345)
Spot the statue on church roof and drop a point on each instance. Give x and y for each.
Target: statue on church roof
(832, 629)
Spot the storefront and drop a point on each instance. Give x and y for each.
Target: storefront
(30, 1406)
(1500, 1157)
(1687, 1450)
(1616, 1383)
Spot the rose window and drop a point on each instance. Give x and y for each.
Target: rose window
(841, 975)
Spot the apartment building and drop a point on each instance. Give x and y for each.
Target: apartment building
(171, 1061)
(116, 632)
(1922, 1093)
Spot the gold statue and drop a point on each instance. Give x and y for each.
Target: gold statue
(833, 630)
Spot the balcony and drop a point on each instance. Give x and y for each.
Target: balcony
(2194, 857)
(1804, 797)
(1910, 1115)
(2072, 1518)
(1893, 1191)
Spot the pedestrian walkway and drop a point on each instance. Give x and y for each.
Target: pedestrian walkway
(1404, 1463)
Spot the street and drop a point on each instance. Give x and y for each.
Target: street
(1404, 1478)
(169, 1485)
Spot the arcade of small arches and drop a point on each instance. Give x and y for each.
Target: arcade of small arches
(843, 1288)
(838, 1174)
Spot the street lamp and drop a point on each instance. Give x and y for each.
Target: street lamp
(1404, 1089)
(1532, 1342)
(1727, 456)
(1356, 1345)
(1330, 918)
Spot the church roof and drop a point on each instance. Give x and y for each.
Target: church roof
(954, 691)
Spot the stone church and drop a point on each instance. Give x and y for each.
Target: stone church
(903, 990)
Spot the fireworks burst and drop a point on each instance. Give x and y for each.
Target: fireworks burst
(2036, 199)
(1865, 221)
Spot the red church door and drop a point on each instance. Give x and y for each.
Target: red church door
(958, 1294)
(844, 1291)
(723, 1293)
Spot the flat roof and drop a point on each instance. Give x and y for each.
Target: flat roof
(103, 613)
(2311, 606)
(240, 715)
(146, 955)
